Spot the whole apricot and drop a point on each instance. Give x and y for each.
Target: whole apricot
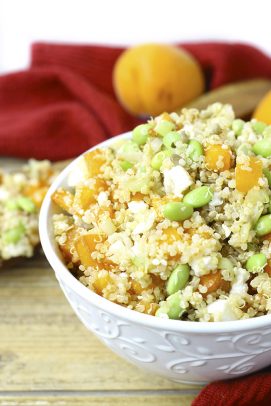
(263, 110)
(151, 78)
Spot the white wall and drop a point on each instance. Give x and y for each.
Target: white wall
(126, 22)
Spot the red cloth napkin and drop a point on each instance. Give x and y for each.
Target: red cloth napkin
(253, 390)
(65, 103)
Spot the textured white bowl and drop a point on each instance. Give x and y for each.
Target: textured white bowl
(182, 351)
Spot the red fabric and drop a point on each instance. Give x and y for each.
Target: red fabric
(64, 103)
(253, 390)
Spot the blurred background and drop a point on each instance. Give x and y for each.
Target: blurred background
(125, 22)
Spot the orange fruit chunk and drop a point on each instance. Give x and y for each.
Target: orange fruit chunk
(218, 158)
(263, 110)
(94, 160)
(247, 176)
(213, 282)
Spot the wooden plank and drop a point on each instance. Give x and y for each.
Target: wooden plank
(103, 400)
(43, 346)
(243, 96)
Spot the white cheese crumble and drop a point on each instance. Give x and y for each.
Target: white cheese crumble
(78, 174)
(239, 286)
(216, 200)
(221, 310)
(146, 224)
(102, 198)
(176, 180)
(137, 207)
(203, 265)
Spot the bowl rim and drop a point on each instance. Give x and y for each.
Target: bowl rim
(117, 310)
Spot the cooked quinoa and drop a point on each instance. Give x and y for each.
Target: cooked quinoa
(175, 222)
(21, 195)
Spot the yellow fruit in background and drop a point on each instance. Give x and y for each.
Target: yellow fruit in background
(263, 110)
(152, 78)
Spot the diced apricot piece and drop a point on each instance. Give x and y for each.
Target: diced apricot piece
(64, 200)
(69, 244)
(101, 282)
(137, 288)
(84, 246)
(267, 269)
(247, 175)
(172, 235)
(36, 193)
(213, 282)
(218, 158)
(87, 195)
(83, 198)
(108, 210)
(94, 161)
(137, 196)
(149, 308)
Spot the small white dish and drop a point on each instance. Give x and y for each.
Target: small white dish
(190, 352)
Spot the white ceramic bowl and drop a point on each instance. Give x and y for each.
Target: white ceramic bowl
(182, 351)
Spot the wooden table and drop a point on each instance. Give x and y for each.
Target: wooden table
(47, 357)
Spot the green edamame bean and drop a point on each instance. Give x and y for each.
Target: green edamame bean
(125, 165)
(258, 126)
(199, 197)
(263, 225)
(256, 263)
(164, 127)
(225, 263)
(11, 205)
(177, 211)
(172, 307)
(14, 235)
(178, 279)
(171, 138)
(263, 148)
(140, 133)
(26, 204)
(130, 151)
(267, 131)
(237, 126)
(267, 174)
(194, 150)
(158, 159)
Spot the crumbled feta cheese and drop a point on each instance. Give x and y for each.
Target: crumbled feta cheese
(239, 286)
(4, 194)
(102, 198)
(227, 230)
(176, 180)
(216, 200)
(203, 265)
(221, 310)
(146, 224)
(137, 207)
(78, 174)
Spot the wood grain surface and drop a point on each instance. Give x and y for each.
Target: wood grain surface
(243, 96)
(47, 357)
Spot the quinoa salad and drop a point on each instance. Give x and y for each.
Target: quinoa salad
(174, 221)
(21, 194)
